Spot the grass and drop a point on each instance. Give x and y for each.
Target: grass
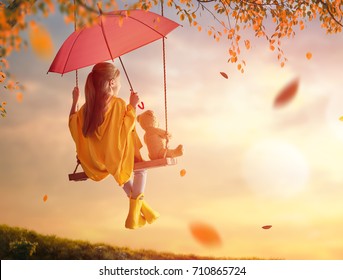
(19, 243)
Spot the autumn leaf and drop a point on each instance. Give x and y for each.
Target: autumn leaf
(247, 44)
(19, 97)
(2, 77)
(267, 227)
(341, 118)
(4, 62)
(45, 198)
(309, 55)
(41, 41)
(205, 234)
(287, 93)
(182, 172)
(3, 110)
(224, 75)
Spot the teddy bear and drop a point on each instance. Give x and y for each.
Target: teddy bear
(156, 138)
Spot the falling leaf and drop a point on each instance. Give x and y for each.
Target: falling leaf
(287, 93)
(182, 172)
(40, 40)
(247, 44)
(205, 234)
(4, 62)
(267, 227)
(45, 198)
(2, 77)
(19, 97)
(309, 55)
(224, 75)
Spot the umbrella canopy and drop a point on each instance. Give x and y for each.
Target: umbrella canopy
(113, 35)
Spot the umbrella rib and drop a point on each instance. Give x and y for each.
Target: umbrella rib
(147, 26)
(105, 38)
(65, 65)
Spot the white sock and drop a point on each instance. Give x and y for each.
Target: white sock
(128, 187)
(139, 181)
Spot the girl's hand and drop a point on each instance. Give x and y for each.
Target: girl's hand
(168, 136)
(76, 95)
(134, 99)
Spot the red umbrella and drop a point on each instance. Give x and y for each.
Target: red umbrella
(113, 35)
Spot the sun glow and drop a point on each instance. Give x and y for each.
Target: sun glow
(275, 168)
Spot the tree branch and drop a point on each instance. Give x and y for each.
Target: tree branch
(209, 11)
(13, 6)
(326, 6)
(88, 8)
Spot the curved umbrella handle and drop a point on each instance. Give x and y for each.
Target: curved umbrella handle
(141, 106)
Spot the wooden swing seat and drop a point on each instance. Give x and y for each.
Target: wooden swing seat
(82, 176)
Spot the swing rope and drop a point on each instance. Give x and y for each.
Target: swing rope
(75, 27)
(165, 80)
(76, 83)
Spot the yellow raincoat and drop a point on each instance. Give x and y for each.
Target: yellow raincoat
(113, 146)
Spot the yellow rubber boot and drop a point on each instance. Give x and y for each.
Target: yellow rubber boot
(149, 214)
(134, 218)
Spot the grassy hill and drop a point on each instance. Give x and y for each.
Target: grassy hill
(18, 243)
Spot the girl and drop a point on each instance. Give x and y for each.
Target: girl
(106, 141)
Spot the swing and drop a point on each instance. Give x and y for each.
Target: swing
(166, 161)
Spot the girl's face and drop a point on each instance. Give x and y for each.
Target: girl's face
(115, 85)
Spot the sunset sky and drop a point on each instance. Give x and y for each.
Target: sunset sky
(248, 163)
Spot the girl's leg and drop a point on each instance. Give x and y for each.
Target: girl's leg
(135, 188)
(128, 187)
(139, 181)
(138, 188)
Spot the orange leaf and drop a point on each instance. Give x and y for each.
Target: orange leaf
(224, 75)
(182, 172)
(2, 77)
(309, 55)
(287, 93)
(41, 41)
(247, 44)
(19, 97)
(4, 62)
(205, 234)
(267, 227)
(45, 198)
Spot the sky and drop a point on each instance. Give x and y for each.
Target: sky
(248, 164)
